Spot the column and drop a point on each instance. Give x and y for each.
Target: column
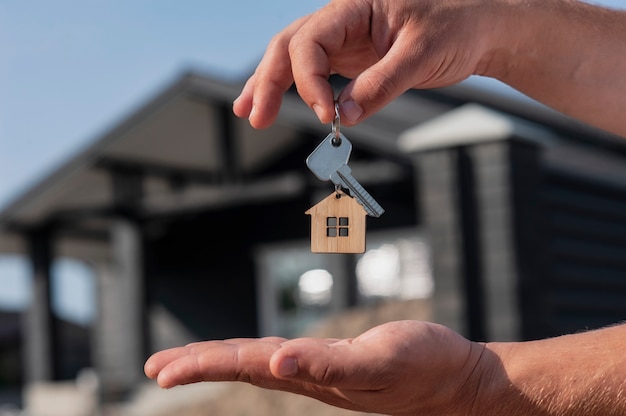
(437, 193)
(494, 195)
(119, 333)
(38, 324)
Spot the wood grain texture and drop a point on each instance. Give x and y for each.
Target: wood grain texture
(338, 205)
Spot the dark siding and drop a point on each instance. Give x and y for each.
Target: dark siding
(572, 245)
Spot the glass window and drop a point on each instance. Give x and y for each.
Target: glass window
(298, 288)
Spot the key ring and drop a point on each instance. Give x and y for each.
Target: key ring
(336, 141)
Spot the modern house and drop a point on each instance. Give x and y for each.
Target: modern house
(509, 216)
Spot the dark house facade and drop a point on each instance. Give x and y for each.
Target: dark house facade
(511, 216)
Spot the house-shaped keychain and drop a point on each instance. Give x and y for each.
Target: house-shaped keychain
(337, 225)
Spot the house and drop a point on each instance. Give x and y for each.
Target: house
(337, 225)
(507, 216)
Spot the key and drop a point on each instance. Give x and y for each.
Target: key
(327, 157)
(329, 161)
(343, 176)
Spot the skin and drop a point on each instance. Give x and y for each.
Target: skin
(419, 368)
(568, 55)
(388, 47)
(374, 372)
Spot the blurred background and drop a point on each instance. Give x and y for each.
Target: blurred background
(137, 213)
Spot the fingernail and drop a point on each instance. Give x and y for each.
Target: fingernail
(319, 111)
(252, 112)
(351, 111)
(288, 367)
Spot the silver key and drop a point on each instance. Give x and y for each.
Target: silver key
(328, 157)
(345, 178)
(329, 161)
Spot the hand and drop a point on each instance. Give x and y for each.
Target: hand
(404, 367)
(385, 47)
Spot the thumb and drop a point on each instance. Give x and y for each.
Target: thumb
(379, 84)
(329, 365)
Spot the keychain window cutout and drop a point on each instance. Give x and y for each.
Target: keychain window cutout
(348, 218)
(332, 227)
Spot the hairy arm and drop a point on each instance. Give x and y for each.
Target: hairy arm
(573, 375)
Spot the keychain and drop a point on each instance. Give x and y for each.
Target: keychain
(338, 221)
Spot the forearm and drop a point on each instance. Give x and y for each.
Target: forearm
(566, 54)
(575, 375)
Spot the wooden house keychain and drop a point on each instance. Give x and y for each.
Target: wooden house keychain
(338, 221)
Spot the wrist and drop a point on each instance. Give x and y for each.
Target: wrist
(483, 382)
(494, 387)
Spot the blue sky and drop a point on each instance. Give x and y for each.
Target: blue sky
(70, 69)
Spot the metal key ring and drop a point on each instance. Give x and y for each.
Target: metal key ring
(336, 141)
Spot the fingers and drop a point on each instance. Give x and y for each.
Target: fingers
(335, 39)
(322, 362)
(161, 359)
(233, 360)
(242, 106)
(310, 51)
(295, 52)
(381, 83)
(246, 360)
(261, 97)
(386, 48)
(157, 361)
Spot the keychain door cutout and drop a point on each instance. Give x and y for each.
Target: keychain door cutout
(337, 225)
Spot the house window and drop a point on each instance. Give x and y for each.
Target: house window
(337, 226)
(299, 289)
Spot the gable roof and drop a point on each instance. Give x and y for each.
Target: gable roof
(193, 153)
(342, 203)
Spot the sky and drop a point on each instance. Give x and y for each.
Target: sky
(69, 70)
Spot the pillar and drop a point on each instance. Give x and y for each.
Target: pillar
(119, 333)
(438, 198)
(38, 324)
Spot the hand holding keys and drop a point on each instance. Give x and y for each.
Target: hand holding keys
(329, 161)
